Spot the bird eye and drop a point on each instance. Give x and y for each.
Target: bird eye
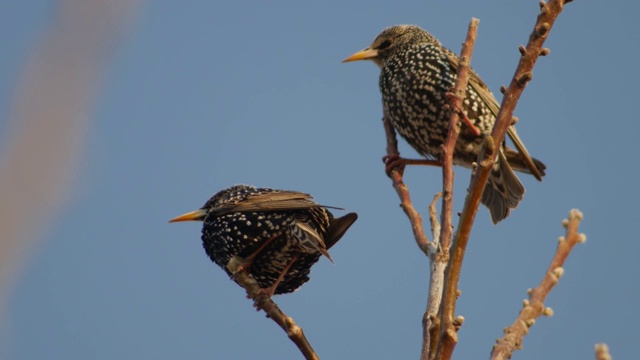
(385, 44)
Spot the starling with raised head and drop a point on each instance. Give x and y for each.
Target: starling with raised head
(280, 234)
(416, 73)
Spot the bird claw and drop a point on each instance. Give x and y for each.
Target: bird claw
(394, 162)
(262, 293)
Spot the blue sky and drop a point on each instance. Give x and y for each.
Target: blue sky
(203, 95)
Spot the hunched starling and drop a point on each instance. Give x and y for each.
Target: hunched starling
(416, 74)
(279, 233)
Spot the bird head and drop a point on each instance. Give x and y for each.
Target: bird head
(389, 41)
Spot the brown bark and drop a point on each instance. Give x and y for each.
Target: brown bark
(534, 307)
(264, 302)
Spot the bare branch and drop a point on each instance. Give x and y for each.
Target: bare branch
(447, 342)
(430, 320)
(448, 148)
(428, 248)
(433, 217)
(264, 302)
(403, 192)
(548, 14)
(534, 306)
(602, 352)
(436, 278)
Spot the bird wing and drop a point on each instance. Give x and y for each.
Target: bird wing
(270, 201)
(310, 234)
(485, 94)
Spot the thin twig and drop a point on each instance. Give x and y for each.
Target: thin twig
(264, 302)
(534, 307)
(457, 99)
(430, 320)
(433, 216)
(524, 72)
(548, 14)
(602, 352)
(448, 148)
(403, 192)
(429, 248)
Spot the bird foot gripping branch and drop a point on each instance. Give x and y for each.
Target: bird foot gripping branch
(239, 270)
(398, 163)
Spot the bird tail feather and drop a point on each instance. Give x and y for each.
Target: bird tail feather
(518, 164)
(504, 190)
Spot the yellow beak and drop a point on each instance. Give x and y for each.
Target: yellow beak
(366, 54)
(197, 215)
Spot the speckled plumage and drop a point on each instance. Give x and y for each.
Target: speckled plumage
(239, 219)
(416, 72)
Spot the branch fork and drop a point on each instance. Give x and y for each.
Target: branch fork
(440, 325)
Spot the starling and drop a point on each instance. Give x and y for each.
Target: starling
(279, 233)
(416, 73)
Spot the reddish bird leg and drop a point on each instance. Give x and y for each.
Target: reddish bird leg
(397, 162)
(272, 289)
(455, 103)
(248, 261)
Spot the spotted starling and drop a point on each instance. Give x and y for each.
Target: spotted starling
(279, 233)
(416, 73)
